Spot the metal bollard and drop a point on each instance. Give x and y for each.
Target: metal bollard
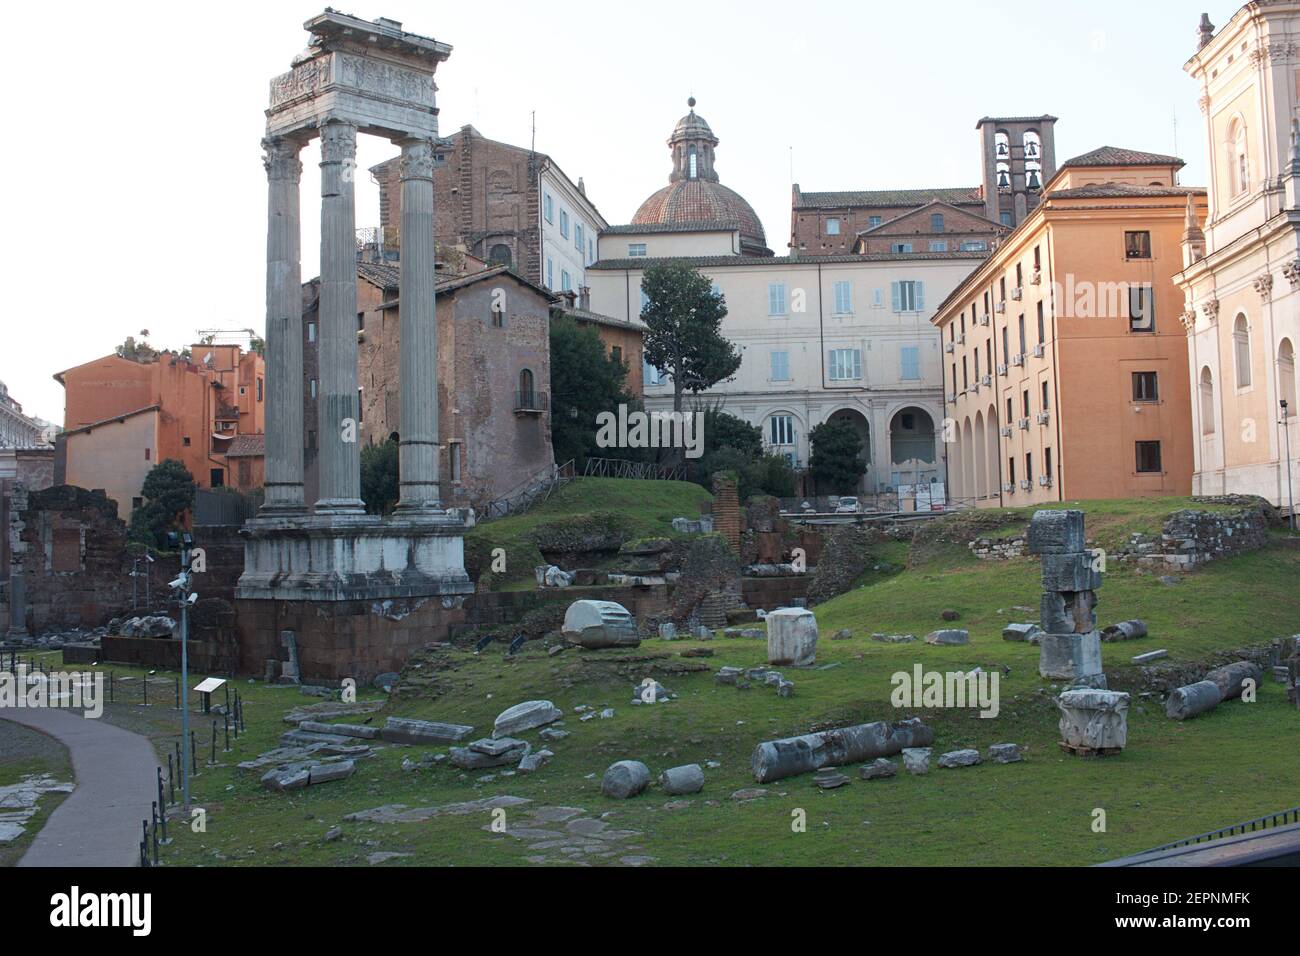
(194, 754)
(225, 720)
(171, 780)
(213, 761)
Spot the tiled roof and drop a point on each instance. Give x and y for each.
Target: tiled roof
(700, 200)
(1123, 191)
(958, 196)
(114, 418)
(247, 446)
(1015, 119)
(596, 318)
(702, 225)
(1117, 156)
(388, 277)
(706, 262)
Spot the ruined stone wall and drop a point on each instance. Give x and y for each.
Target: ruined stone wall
(1191, 538)
(71, 548)
(998, 549)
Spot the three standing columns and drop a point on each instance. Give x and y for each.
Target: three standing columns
(339, 425)
(418, 449)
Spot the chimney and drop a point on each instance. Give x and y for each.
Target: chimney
(584, 298)
(569, 298)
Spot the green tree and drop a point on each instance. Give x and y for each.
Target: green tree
(585, 381)
(722, 430)
(683, 316)
(834, 460)
(380, 480)
(168, 493)
(140, 351)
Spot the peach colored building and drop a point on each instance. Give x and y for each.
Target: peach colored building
(1064, 360)
(122, 417)
(1241, 281)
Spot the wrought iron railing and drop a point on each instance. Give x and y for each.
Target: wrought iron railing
(1280, 819)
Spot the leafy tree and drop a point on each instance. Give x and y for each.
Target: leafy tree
(683, 316)
(140, 351)
(380, 480)
(756, 474)
(722, 430)
(168, 493)
(585, 381)
(834, 459)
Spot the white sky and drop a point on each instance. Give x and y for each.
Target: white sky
(136, 197)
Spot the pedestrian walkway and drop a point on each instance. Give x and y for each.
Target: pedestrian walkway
(116, 776)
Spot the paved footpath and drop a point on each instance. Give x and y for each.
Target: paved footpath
(116, 776)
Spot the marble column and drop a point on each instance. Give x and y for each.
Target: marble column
(418, 450)
(284, 445)
(340, 419)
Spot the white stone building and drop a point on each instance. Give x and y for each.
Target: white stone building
(570, 226)
(1241, 280)
(16, 429)
(821, 337)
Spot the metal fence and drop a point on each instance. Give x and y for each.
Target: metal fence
(226, 507)
(1280, 819)
(643, 470)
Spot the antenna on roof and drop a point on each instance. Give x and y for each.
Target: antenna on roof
(533, 145)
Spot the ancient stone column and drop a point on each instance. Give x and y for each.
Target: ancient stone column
(418, 451)
(284, 445)
(340, 418)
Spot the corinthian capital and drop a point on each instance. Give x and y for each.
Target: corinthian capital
(281, 160)
(417, 159)
(338, 143)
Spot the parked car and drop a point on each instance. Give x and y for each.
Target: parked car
(847, 506)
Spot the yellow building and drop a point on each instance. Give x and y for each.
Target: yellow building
(1065, 373)
(1241, 282)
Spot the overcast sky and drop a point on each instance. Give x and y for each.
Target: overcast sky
(137, 198)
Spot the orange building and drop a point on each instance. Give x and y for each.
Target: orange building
(1065, 360)
(123, 416)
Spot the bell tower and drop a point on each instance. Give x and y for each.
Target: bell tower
(1017, 158)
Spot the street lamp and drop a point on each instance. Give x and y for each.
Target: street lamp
(181, 588)
(1286, 433)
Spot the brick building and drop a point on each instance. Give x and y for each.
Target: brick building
(122, 416)
(624, 339)
(493, 377)
(506, 205)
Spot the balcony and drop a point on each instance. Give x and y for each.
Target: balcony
(531, 403)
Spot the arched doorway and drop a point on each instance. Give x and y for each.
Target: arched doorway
(859, 423)
(912, 458)
(991, 451)
(981, 458)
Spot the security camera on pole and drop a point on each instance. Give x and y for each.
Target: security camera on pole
(180, 586)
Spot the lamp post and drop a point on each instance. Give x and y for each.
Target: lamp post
(1286, 433)
(181, 586)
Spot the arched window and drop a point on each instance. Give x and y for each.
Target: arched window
(1207, 401)
(526, 388)
(1286, 376)
(693, 168)
(1004, 176)
(1238, 157)
(1241, 349)
(1001, 144)
(500, 255)
(1033, 160)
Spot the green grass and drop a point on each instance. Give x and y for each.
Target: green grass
(23, 753)
(1175, 779)
(630, 509)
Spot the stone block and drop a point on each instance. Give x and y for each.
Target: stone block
(1150, 656)
(879, 769)
(948, 635)
(1020, 632)
(1094, 719)
(916, 760)
(1056, 532)
(1193, 700)
(598, 624)
(1069, 656)
(624, 779)
(525, 716)
(959, 758)
(1124, 631)
(791, 637)
(1232, 678)
(362, 731)
(682, 780)
(405, 730)
(1070, 573)
(1005, 753)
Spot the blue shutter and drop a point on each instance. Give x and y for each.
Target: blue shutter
(919, 288)
(895, 290)
(857, 363)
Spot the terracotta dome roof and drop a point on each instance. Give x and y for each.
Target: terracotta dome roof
(700, 200)
(693, 195)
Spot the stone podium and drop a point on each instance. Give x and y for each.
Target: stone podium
(359, 591)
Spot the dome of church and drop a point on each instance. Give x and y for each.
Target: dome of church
(693, 196)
